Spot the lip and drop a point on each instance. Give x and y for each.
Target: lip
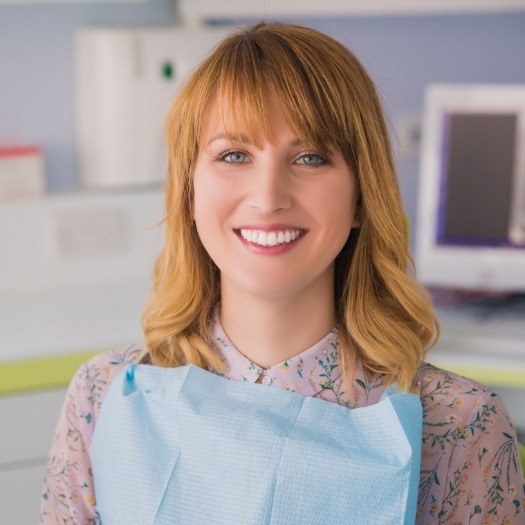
(270, 250)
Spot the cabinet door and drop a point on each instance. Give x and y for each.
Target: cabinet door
(28, 422)
(20, 492)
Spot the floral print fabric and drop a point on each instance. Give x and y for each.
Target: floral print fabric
(470, 466)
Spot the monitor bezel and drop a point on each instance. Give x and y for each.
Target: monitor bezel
(467, 267)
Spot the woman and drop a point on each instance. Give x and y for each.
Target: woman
(285, 263)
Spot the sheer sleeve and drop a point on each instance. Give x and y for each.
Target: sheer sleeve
(68, 496)
(484, 481)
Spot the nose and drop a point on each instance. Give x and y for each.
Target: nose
(271, 191)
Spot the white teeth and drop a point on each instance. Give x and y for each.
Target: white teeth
(274, 238)
(262, 239)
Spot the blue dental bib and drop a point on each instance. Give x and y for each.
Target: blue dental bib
(186, 446)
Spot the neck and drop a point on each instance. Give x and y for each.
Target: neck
(270, 330)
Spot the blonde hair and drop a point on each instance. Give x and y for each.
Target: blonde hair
(385, 317)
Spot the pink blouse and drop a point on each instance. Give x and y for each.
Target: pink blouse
(470, 466)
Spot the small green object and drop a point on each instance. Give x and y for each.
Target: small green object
(168, 70)
(407, 225)
(493, 377)
(522, 452)
(42, 373)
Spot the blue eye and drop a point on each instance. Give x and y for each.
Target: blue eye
(312, 160)
(233, 157)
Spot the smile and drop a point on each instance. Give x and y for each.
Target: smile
(273, 238)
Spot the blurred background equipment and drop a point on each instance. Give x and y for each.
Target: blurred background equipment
(471, 214)
(125, 80)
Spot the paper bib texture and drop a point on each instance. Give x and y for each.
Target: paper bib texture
(186, 446)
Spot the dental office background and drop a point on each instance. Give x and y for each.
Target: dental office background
(83, 90)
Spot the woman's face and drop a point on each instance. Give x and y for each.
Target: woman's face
(272, 219)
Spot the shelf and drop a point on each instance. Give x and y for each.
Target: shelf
(235, 10)
(484, 342)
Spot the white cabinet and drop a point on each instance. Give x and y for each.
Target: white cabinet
(82, 291)
(28, 422)
(20, 495)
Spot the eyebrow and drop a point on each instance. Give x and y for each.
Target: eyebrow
(243, 139)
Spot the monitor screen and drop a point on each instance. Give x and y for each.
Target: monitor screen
(477, 179)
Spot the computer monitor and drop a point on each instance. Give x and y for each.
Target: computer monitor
(470, 231)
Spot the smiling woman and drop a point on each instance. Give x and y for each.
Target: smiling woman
(282, 376)
(265, 89)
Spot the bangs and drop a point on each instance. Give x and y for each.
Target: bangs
(312, 96)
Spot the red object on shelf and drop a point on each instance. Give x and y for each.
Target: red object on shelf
(16, 151)
(22, 173)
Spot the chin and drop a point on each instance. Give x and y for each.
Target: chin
(269, 288)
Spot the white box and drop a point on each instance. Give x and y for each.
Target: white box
(123, 91)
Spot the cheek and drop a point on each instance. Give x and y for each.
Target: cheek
(212, 213)
(336, 205)
(211, 208)
(202, 207)
(205, 193)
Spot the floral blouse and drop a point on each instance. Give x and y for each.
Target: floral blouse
(470, 466)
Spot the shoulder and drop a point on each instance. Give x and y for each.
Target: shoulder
(469, 461)
(443, 391)
(438, 384)
(112, 361)
(91, 381)
(457, 411)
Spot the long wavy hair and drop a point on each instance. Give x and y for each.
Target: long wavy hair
(385, 318)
